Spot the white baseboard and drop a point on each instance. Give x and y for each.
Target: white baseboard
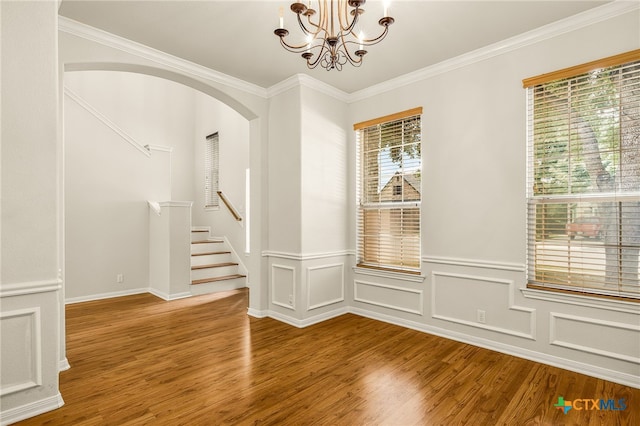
(167, 297)
(32, 409)
(256, 313)
(307, 321)
(101, 296)
(64, 365)
(566, 364)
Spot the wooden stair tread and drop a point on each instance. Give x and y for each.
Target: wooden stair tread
(206, 241)
(214, 265)
(212, 280)
(210, 252)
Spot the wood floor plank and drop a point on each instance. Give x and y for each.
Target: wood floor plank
(139, 360)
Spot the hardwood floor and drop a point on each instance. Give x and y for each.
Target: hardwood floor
(140, 360)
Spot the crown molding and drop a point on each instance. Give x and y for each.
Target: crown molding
(284, 85)
(310, 82)
(572, 23)
(589, 17)
(140, 50)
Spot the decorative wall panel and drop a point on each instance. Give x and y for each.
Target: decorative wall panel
(606, 338)
(21, 366)
(487, 303)
(325, 285)
(283, 286)
(388, 296)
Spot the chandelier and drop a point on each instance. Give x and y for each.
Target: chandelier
(330, 32)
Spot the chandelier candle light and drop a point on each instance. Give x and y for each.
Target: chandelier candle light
(330, 31)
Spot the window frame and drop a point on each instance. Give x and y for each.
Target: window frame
(617, 198)
(401, 208)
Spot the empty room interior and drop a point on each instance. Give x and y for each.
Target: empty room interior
(323, 212)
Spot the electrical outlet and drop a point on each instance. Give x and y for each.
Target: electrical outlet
(482, 316)
(120, 278)
(291, 299)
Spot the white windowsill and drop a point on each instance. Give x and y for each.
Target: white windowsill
(389, 274)
(582, 300)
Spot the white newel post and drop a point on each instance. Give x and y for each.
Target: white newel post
(170, 248)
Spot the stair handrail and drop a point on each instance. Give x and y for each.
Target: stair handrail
(107, 121)
(232, 210)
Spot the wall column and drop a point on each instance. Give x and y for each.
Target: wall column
(30, 281)
(308, 256)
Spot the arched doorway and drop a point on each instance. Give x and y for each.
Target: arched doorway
(241, 109)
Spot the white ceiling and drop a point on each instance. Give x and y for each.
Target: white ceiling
(236, 37)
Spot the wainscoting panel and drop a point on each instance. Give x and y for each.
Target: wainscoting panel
(388, 296)
(606, 338)
(325, 285)
(488, 303)
(21, 366)
(283, 286)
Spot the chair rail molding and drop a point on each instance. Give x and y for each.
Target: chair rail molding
(475, 263)
(30, 287)
(305, 256)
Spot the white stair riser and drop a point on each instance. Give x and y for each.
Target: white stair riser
(209, 259)
(199, 236)
(207, 247)
(218, 286)
(198, 274)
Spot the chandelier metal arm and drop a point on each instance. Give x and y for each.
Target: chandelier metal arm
(372, 41)
(359, 53)
(304, 28)
(330, 37)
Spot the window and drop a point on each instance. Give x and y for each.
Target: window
(211, 171)
(389, 191)
(583, 178)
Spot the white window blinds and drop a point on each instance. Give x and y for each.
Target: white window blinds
(583, 178)
(211, 171)
(389, 191)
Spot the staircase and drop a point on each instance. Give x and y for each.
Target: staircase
(214, 265)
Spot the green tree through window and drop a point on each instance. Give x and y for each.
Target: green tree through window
(584, 180)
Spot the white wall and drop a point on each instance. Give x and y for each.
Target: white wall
(473, 220)
(30, 284)
(325, 173)
(108, 180)
(284, 172)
